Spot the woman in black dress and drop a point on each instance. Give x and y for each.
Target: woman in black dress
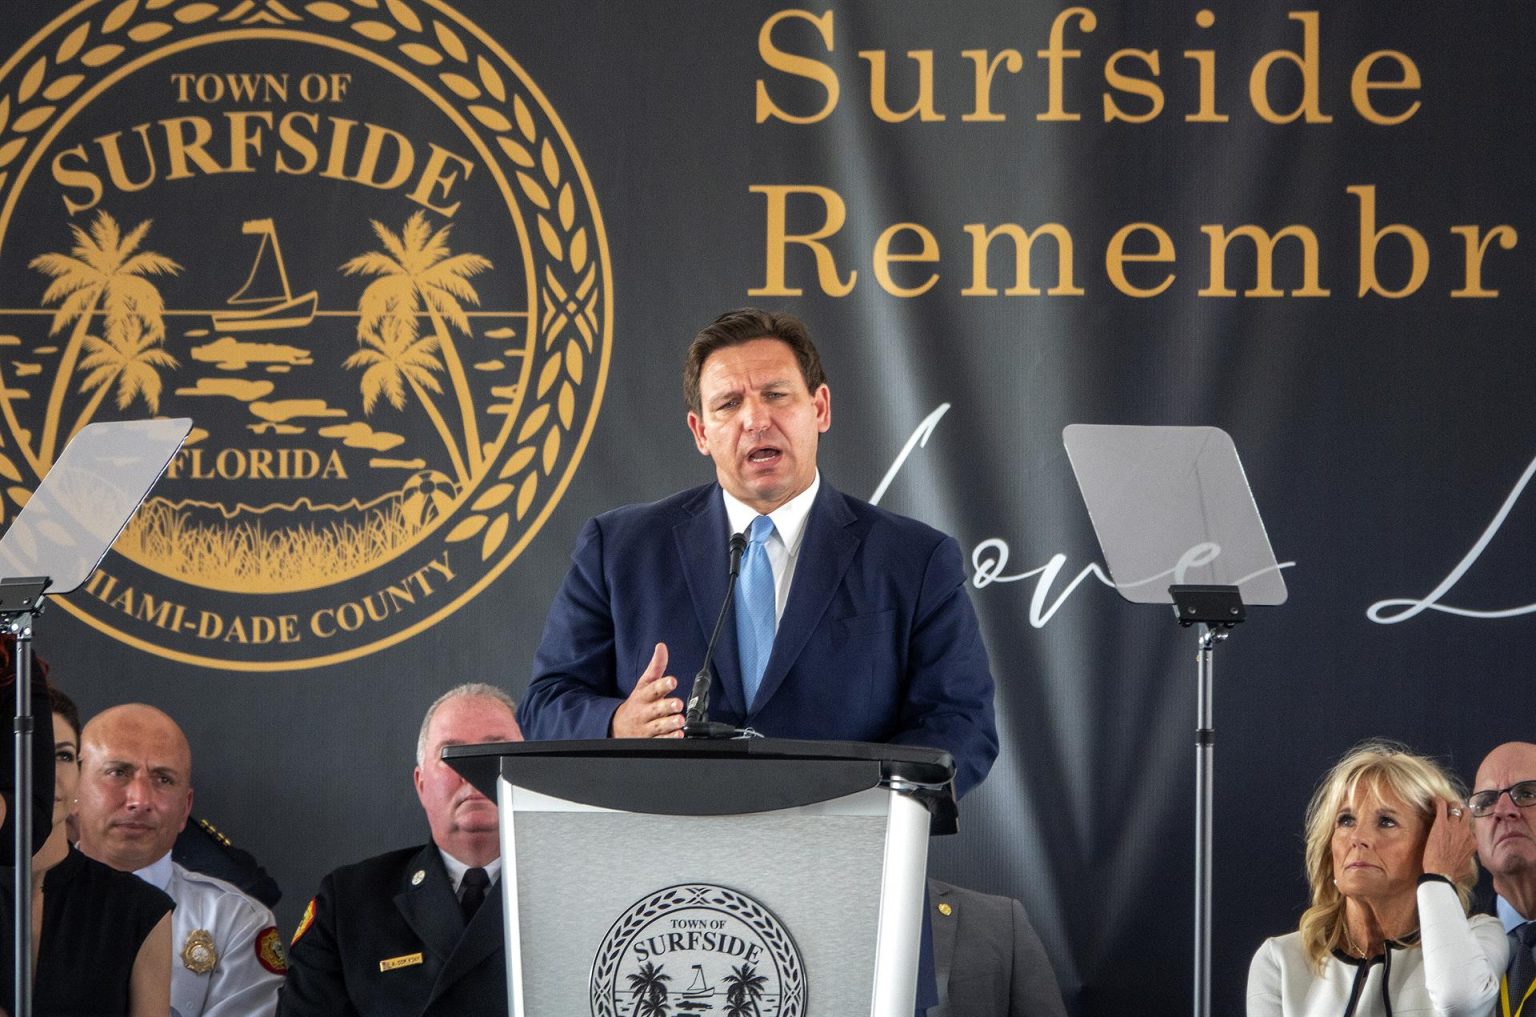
(101, 938)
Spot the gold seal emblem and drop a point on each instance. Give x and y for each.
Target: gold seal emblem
(394, 331)
(198, 952)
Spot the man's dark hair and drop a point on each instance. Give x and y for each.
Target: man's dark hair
(741, 326)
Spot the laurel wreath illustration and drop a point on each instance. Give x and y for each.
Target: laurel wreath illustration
(792, 994)
(566, 300)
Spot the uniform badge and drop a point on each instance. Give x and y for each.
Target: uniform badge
(304, 923)
(269, 951)
(198, 953)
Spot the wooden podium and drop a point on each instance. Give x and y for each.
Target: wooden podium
(751, 877)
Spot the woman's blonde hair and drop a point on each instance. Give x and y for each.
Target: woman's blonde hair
(1374, 765)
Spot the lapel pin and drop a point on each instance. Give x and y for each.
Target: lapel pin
(946, 910)
(418, 877)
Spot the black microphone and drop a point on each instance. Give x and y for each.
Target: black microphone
(697, 723)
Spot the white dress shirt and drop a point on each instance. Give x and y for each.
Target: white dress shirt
(456, 869)
(1511, 918)
(783, 546)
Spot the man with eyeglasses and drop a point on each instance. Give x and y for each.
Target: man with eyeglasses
(1505, 825)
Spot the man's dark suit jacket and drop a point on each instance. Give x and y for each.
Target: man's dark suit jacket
(376, 912)
(988, 958)
(878, 642)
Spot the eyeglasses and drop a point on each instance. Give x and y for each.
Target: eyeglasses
(1522, 794)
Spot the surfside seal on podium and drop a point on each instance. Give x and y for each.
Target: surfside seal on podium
(694, 948)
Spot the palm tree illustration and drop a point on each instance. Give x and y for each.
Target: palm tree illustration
(416, 271)
(104, 273)
(130, 356)
(394, 356)
(649, 988)
(743, 989)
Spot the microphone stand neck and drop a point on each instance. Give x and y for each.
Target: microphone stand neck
(697, 723)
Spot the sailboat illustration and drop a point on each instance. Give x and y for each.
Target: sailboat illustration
(697, 992)
(271, 309)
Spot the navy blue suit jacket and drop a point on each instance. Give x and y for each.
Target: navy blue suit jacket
(878, 641)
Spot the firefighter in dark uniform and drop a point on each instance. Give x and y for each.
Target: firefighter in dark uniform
(416, 932)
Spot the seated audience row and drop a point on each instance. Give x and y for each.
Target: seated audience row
(107, 940)
(1391, 856)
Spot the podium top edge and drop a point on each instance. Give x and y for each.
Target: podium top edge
(917, 756)
(926, 774)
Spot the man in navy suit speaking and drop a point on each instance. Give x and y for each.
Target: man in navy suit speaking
(850, 622)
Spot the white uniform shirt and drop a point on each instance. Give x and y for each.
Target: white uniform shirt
(1454, 972)
(247, 955)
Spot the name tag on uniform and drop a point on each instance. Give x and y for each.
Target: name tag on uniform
(400, 962)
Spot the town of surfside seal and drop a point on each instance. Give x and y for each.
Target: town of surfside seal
(358, 247)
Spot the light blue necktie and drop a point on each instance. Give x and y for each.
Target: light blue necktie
(755, 608)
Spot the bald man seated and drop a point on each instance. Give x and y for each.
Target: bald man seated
(134, 798)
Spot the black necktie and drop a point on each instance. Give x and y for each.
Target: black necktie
(1522, 967)
(472, 892)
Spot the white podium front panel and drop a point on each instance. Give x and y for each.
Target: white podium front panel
(695, 911)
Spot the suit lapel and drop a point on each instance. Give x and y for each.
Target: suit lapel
(429, 906)
(701, 547)
(825, 554)
(481, 939)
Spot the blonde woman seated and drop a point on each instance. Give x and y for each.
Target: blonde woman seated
(1389, 857)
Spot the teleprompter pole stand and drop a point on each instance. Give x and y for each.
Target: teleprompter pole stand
(21, 600)
(79, 508)
(1216, 609)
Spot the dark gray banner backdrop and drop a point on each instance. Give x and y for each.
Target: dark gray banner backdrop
(1312, 228)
